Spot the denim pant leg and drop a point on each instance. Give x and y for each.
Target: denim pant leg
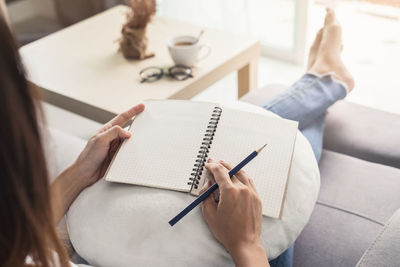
(306, 101)
(314, 133)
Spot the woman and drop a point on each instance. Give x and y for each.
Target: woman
(30, 207)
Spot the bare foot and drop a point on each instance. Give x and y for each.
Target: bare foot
(328, 59)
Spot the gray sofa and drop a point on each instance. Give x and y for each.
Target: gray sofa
(66, 12)
(356, 220)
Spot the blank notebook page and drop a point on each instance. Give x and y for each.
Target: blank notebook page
(240, 133)
(165, 141)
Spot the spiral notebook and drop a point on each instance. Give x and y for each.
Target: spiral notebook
(172, 139)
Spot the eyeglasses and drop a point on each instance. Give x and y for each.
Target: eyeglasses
(178, 72)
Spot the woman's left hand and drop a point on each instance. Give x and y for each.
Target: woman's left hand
(93, 161)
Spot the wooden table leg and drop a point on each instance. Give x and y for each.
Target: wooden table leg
(247, 77)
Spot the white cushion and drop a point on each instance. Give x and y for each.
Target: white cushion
(114, 224)
(61, 149)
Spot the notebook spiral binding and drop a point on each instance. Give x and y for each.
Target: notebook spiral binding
(204, 148)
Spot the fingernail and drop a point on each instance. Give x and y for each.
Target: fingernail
(221, 161)
(209, 159)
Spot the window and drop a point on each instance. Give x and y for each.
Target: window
(280, 25)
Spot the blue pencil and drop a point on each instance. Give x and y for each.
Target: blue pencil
(214, 187)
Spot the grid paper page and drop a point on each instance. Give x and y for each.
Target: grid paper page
(239, 133)
(165, 141)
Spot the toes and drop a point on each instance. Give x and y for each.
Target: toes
(330, 17)
(318, 38)
(332, 31)
(333, 34)
(314, 48)
(317, 41)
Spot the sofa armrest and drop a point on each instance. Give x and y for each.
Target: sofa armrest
(364, 133)
(385, 251)
(261, 95)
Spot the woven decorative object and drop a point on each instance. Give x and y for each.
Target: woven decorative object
(133, 43)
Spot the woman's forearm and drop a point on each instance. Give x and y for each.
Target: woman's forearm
(64, 189)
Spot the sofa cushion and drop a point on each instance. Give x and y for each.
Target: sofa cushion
(359, 186)
(356, 199)
(351, 129)
(333, 238)
(364, 133)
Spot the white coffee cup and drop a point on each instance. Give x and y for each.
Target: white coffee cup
(185, 50)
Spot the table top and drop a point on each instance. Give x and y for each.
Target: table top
(82, 62)
(113, 224)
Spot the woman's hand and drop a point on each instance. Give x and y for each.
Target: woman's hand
(93, 161)
(235, 220)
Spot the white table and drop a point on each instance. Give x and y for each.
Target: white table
(123, 225)
(80, 69)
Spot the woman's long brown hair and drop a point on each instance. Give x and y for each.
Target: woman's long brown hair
(27, 227)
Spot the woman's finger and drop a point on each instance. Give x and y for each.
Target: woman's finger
(240, 175)
(111, 134)
(124, 117)
(115, 144)
(228, 166)
(207, 184)
(208, 206)
(236, 181)
(220, 174)
(252, 185)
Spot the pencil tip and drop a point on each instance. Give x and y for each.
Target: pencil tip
(261, 148)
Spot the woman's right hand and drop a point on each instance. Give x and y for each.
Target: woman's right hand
(235, 220)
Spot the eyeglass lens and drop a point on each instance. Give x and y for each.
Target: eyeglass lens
(180, 72)
(151, 74)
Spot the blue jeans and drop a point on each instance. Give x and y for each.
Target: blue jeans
(306, 101)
